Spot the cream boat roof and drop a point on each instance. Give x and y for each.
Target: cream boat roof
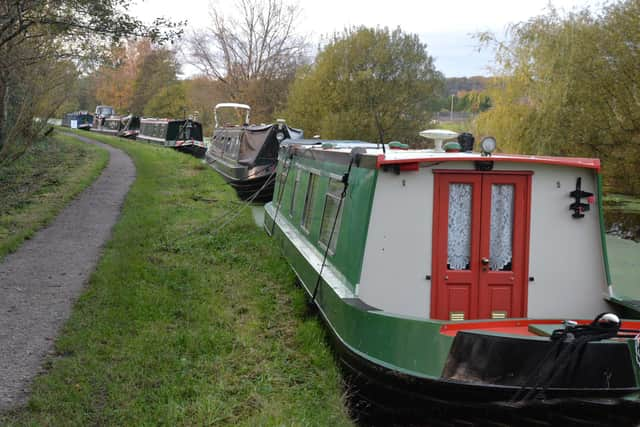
(400, 156)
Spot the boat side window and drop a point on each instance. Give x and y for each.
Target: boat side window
(331, 214)
(307, 213)
(294, 191)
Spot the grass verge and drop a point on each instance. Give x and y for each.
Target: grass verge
(36, 187)
(185, 325)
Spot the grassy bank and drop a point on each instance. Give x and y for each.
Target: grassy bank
(40, 183)
(623, 202)
(185, 324)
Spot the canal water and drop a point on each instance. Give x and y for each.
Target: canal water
(623, 246)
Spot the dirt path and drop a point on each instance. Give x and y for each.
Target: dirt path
(40, 282)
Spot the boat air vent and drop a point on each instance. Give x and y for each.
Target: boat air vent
(456, 315)
(452, 147)
(498, 314)
(397, 145)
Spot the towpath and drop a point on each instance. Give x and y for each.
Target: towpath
(40, 282)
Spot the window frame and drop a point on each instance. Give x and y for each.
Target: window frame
(309, 201)
(332, 244)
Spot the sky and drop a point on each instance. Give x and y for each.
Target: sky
(446, 26)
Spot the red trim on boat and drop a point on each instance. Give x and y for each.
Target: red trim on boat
(521, 326)
(579, 162)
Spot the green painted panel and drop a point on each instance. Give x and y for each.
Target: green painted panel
(410, 345)
(356, 209)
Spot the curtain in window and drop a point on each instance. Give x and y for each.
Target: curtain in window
(459, 237)
(500, 251)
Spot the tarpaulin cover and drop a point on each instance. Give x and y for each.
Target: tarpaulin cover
(260, 143)
(252, 140)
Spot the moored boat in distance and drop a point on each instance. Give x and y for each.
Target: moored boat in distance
(78, 120)
(245, 155)
(100, 117)
(473, 282)
(183, 135)
(122, 126)
(129, 127)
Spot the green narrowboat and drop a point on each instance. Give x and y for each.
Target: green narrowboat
(460, 279)
(183, 135)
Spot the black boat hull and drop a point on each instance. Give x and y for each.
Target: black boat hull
(380, 396)
(195, 150)
(247, 189)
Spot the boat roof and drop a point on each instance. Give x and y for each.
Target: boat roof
(392, 156)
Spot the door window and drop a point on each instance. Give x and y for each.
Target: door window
(459, 229)
(501, 240)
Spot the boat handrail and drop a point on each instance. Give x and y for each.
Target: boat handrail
(231, 105)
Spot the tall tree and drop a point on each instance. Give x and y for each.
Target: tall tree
(33, 33)
(570, 85)
(254, 53)
(367, 83)
(157, 70)
(169, 102)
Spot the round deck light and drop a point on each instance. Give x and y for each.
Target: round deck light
(488, 145)
(280, 136)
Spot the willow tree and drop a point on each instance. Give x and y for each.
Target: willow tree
(570, 85)
(367, 83)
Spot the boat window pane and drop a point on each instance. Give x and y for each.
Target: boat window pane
(459, 229)
(501, 240)
(331, 214)
(294, 193)
(307, 213)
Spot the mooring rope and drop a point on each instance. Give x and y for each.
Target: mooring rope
(245, 205)
(559, 360)
(234, 213)
(637, 347)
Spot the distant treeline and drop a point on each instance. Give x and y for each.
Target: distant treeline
(565, 84)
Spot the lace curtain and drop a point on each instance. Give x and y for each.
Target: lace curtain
(459, 237)
(500, 250)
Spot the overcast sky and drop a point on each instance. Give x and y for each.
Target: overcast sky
(444, 25)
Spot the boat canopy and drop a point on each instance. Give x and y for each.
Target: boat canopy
(262, 139)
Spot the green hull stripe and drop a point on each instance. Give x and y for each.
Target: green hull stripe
(603, 239)
(404, 344)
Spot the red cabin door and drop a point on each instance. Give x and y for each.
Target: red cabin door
(480, 245)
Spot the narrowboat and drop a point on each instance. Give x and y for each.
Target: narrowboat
(125, 127)
(183, 135)
(78, 120)
(129, 127)
(244, 154)
(109, 125)
(471, 282)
